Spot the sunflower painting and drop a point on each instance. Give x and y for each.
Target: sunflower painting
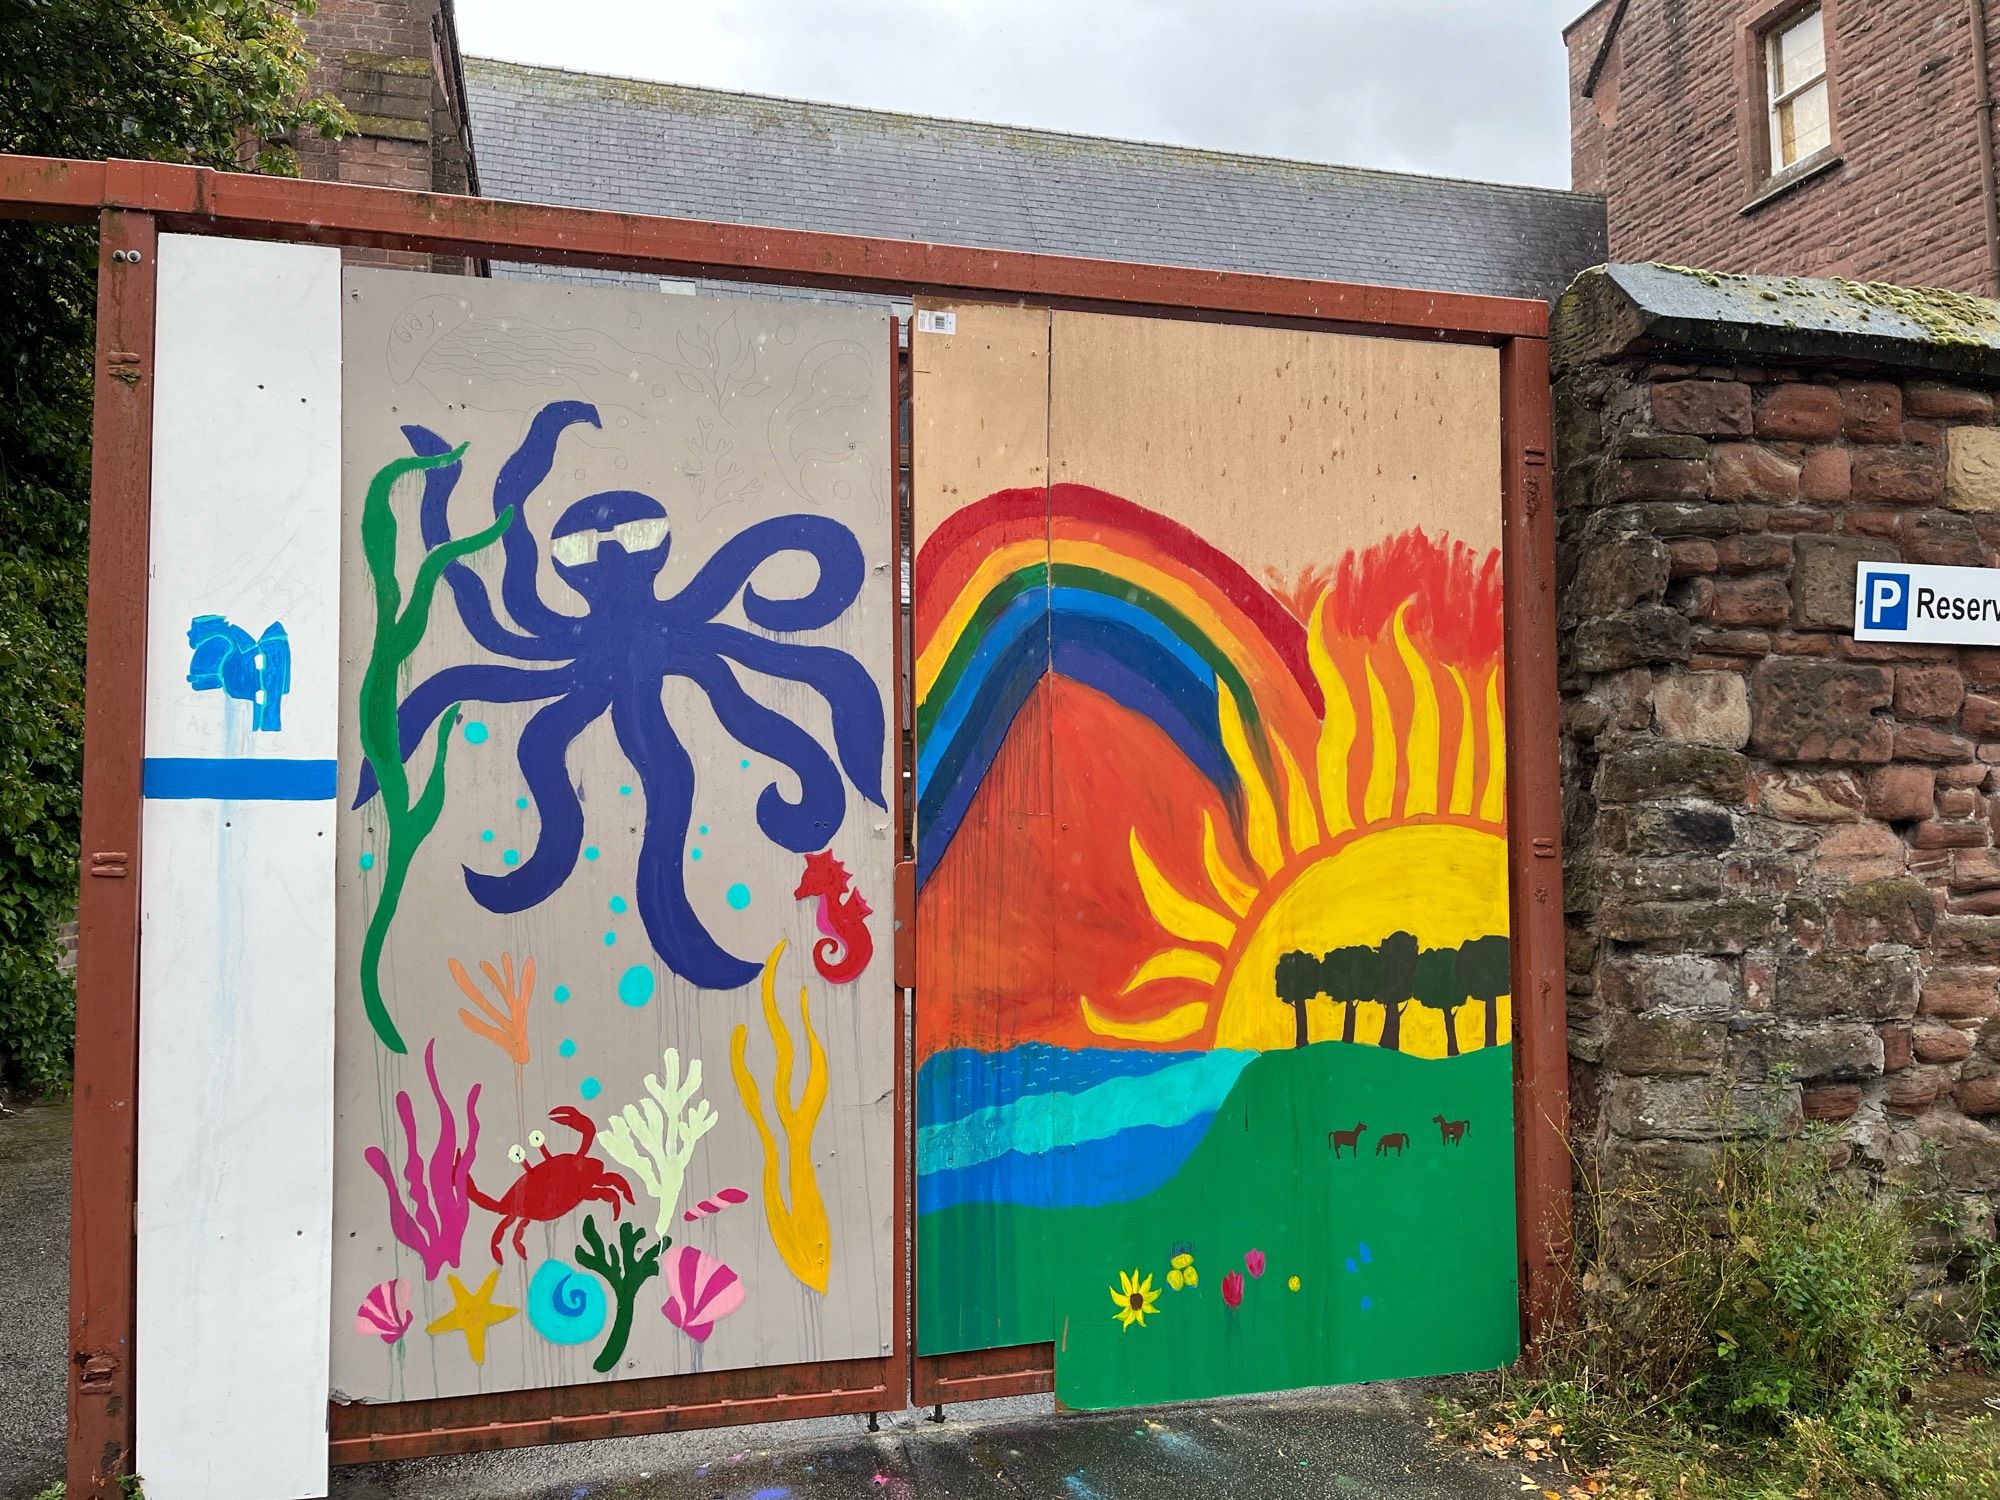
(1214, 949)
(1134, 1297)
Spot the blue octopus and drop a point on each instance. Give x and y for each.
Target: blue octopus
(614, 658)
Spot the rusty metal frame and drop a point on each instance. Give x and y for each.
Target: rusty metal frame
(134, 201)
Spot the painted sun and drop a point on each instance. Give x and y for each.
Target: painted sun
(1406, 782)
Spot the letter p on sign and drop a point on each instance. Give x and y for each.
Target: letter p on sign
(1886, 600)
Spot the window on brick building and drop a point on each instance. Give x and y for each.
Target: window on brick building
(1797, 103)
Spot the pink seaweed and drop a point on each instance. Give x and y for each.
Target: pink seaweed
(434, 1223)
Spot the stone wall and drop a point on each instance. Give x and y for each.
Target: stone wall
(1783, 882)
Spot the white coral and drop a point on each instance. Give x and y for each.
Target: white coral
(656, 1136)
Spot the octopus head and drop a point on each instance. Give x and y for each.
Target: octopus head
(611, 543)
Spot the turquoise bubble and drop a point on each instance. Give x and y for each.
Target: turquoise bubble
(694, 854)
(485, 835)
(745, 764)
(565, 1305)
(567, 1047)
(475, 731)
(617, 905)
(624, 791)
(635, 985)
(590, 852)
(738, 895)
(522, 803)
(367, 861)
(590, 1088)
(610, 938)
(562, 994)
(510, 856)
(703, 830)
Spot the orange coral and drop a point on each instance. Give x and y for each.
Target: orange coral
(506, 1029)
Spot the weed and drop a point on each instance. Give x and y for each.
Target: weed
(1741, 1333)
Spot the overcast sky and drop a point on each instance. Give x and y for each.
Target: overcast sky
(1468, 88)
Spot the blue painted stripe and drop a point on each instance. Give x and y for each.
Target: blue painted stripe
(1117, 1169)
(1040, 1124)
(953, 1084)
(231, 778)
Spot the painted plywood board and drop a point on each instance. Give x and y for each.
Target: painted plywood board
(1243, 1121)
(236, 947)
(673, 667)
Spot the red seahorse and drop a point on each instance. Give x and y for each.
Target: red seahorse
(842, 916)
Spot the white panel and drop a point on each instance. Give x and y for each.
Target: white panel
(236, 947)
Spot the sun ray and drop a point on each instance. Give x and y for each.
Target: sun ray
(1260, 814)
(1493, 802)
(1462, 767)
(1236, 892)
(1180, 915)
(1423, 736)
(1181, 1022)
(1301, 817)
(1175, 963)
(1336, 735)
(1379, 799)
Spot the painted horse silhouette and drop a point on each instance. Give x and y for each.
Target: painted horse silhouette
(614, 659)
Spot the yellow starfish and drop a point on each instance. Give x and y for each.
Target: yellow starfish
(472, 1313)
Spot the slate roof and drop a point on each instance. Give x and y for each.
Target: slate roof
(553, 136)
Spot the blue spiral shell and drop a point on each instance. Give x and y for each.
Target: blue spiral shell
(565, 1305)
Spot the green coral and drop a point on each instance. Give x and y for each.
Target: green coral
(398, 632)
(625, 1269)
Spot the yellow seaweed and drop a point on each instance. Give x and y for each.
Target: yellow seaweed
(798, 1228)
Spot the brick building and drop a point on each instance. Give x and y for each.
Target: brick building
(1798, 137)
(395, 65)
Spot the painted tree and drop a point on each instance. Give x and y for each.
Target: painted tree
(1396, 982)
(1436, 987)
(1298, 980)
(1485, 968)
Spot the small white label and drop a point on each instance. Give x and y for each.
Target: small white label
(1927, 602)
(933, 321)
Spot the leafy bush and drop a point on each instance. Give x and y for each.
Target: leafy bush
(168, 80)
(1742, 1331)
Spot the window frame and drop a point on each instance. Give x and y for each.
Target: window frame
(1775, 101)
(1764, 176)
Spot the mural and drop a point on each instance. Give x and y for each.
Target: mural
(617, 615)
(1212, 851)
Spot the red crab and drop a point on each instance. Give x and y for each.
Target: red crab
(555, 1185)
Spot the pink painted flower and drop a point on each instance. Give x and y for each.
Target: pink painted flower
(1232, 1289)
(705, 1291)
(1253, 1262)
(385, 1311)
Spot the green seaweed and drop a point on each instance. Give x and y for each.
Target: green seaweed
(398, 632)
(626, 1269)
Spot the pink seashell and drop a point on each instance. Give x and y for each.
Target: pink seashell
(704, 1291)
(1253, 1262)
(727, 1198)
(384, 1313)
(1232, 1289)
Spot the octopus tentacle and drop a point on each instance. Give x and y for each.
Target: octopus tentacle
(666, 775)
(543, 755)
(842, 681)
(520, 476)
(727, 572)
(467, 587)
(811, 821)
(468, 682)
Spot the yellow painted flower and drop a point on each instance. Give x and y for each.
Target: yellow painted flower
(1293, 1284)
(1134, 1298)
(1183, 1276)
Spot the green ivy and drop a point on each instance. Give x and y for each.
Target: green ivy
(165, 80)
